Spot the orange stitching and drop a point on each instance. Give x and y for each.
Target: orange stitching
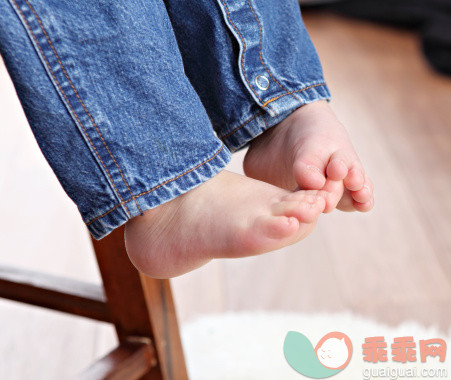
(263, 116)
(181, 175)
(260, 53)
(289, 93)
(242, 54)
(261, 113)
(111, 210)
(240, 126)
(67, 100)
(156, 187)
(81, 102)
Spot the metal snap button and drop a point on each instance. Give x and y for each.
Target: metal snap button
(262, 82)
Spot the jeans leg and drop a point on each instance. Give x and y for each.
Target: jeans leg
(251, 61)
(103, 87)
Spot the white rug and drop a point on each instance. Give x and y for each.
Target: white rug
(249, 345)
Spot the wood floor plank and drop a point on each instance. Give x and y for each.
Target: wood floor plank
(393, 104)
(390, 265)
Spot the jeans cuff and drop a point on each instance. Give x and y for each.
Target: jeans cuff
(240, 135)
(167, 190)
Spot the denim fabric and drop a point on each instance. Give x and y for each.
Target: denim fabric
(134, 103)
(228, 46)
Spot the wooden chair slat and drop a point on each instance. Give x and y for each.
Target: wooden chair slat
(128, 361)
(53, 292)
(141, 309)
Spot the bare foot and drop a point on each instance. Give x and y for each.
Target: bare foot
(229, 215)
(311, 150)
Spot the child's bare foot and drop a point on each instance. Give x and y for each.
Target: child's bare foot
(312, 150)
(229, 215)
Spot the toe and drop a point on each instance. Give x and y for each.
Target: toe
(338, 166)
(303, 195)
(308, 171)
(360, 200)
(365, 193)
(346, 202)
(306, 209)
(277, 227)
(355, 179)
(333, 192)
(364, 207)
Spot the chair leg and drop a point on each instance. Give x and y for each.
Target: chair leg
(129, 361)
(140, 307)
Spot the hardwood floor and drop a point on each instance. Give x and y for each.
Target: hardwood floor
(394, 263)
(391, 265)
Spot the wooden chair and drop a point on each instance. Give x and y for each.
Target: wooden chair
(141, 309)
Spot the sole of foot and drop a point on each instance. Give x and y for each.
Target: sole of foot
(228, 216)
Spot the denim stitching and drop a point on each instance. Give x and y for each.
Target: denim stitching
(158, 186)
(241, 126)
(242, 54)
(80, 100)
(67, 100)
(291, 92)
(261, 113)
(106, 213)
(260, 54)
(266, 124)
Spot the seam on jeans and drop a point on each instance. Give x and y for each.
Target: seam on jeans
(263, 117)
(81, 101)
(67, 100)
(289, 93)
(158, 186)
(261, 113)
(260, 54)
(242, 54)
(241, 126)
(106, 213)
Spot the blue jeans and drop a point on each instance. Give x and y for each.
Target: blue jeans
(136, 102)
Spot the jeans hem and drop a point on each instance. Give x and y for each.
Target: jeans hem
(167, 190)
(240, 135)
